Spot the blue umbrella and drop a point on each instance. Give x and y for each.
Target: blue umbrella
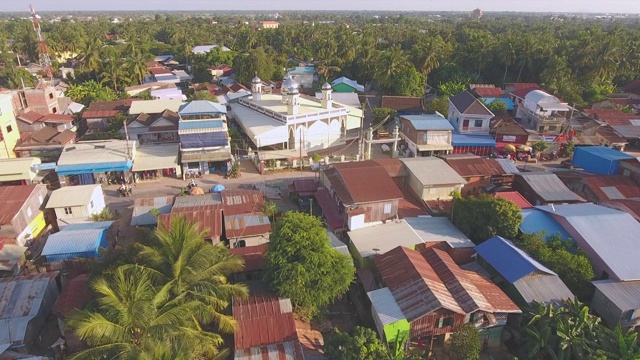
(217, 188)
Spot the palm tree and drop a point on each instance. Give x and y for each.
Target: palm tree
(390, 64)
(507, 52)
(113, 69)
(270, 209)
(90, 51)
(136, 319)
(180, 258)
(137, 66)
(527, 48)
(326, 68)
(428, 54)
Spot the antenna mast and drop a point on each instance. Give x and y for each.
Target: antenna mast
(43, 51)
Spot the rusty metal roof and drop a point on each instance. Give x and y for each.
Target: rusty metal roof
(253, 256)
(305, 185)
(12, 198)
(362, 182)
(74, 296)
(242, 225)
(393, 167)
(474, 166)
(241, 201)
(515, 197)
(612, 187)
(207, 217)
(263, 321)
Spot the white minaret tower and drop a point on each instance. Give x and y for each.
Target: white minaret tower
(294, 103)
(327, 99)
(256, 88)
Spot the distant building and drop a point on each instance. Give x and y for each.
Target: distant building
(269, 24)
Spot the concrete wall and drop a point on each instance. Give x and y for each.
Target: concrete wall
(249, 241)
(8, 128)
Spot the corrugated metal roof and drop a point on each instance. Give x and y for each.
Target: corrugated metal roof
(488, 91)
(402, 103)
(12, 198)
(156, 157)
(207, 217)
(508, 166)
(608, 234)
(515, 197)
(604, 152)
(467, 104)
(198, 200)
(20, 300)
(437, 229)
(512, 263)
(549, 187)
(534, 220)
(631, 206)
(18, 168)
(612, 187)
(253, 256)
(289, 350)
(69, 196)
(241, 201)
(72, 243)
(242, 225)
(393, 166)
(458, 139)
(330, 212)
(99, 151)
(625, 295)
(543, 289)
(474, 166)
(352, 83)
(141, 207)
(74, 296)
(263, 321)
(185, 125)
(427, 122)
(385, 305)
(154, 106)
(363, 182)
(305, 185)
(432, 171)
(378, 237)
(201, 107)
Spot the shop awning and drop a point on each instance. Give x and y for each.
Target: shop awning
(90, 168)
(205, 156)
(156, 157)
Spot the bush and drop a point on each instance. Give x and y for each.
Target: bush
(104, 215)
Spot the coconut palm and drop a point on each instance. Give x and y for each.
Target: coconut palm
(113, 71)
(137, 66)
(508, 52)
(391, 63)
(326, 68)
(137, 319)
(180, 258)
(90, 51)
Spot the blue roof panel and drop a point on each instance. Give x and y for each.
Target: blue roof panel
(91, 168)
(202, 107)
(534, 220)
(429, 122)
(200, 124)
(507, 101)
(302, 70)
(512, 263)
(69, 244)
(458, 139)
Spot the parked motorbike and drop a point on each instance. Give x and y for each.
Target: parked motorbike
(124, 192)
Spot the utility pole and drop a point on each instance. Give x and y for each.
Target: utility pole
(126, 136)
(301, 142)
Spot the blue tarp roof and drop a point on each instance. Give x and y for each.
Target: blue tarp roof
(458, 139)
(90, 168)
(200, 124)
(603, 152)
(429, 122)
(534, 220)
(202, 107)
(78, 243)
(507, 101)
(99, 225)
(511, 262)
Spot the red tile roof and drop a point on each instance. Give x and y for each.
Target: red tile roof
(612, 116)
(263, 321)
(207, 217)
(12, 198)
(626, 187)
(503, 123)
(633, 85)
(518, 86)
(56, 118)
(522, 92)
(483, 91)
(253, 256)
(29, 117)
(159, 70)
(362, 182)
(515, 197)
(74, 296)
(474, 166)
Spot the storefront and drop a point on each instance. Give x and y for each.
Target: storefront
(154, 161)
(477, 144)
(205, 162)
(91, 162)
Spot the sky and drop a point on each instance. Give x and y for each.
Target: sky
(603, 6)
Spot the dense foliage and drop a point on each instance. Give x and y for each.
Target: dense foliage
(564, 258)
(483, 217)
(363, 344)
(465, 343)
(577, 59)
(164, 299)
(301, 264)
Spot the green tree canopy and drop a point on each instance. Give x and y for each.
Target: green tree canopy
(89, 92)
(203, 95)
(363, 344)
(483, 217)
(301, 265)
(255, 61)
(410, 82)
(497, 106)
(382, 114)
(465, 343)
(440, 104)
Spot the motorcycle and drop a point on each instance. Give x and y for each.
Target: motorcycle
(124, 192)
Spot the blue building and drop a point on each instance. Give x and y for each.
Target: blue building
(598, 159)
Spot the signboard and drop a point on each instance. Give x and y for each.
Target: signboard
(508, 138)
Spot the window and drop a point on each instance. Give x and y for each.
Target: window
(50, 95)
(424, 137)
(552, 128)
(477, 123)
(54, 110)
(68, 211)
(541, 129)
(241, 243)
(387, 208)
(444, 322)
(29, 212)
(9, 129)
(91, 204)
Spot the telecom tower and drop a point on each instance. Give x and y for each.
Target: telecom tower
(46, 75)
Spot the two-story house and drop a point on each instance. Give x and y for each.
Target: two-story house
(427, 295)
(471, 120)
(363, 191)
(426, 135)
(543, 112)
(153, 128)
(98, 113)
(21, 216)
(73, 204)
(204, 140)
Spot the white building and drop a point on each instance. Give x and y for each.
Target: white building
(294, 121)
(543, 112)
(75, 204)
(468, 114)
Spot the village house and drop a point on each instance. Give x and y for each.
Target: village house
(91, 162)
(403, 105)
(75, 241)
(541, 188)
(617, 302)
(515, 197)
(599, 188)
(153, 128)
(21, 217)
(456, 297)
(471, 120)
(304, 75)
(9, 134)
(600, 159)
(543, 112)
(76, 204)
(363, 192)
(207, 217)
(204, 140)
(426, 135)
(97, 115)
(46, 144)
(625, 124)
(506, 130)
(33, 121)
(520, 276)
(344, 84)
(142, 215)
(243, 230)
(486, 90)
(269, 24)
(203, 49)
(480, 174)
(518, 91)
(43, 100)
(293, 121)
